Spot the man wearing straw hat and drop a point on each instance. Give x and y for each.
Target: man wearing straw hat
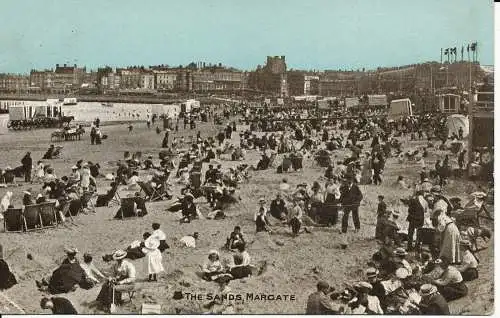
(432, 303)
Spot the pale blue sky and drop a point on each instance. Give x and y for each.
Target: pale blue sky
(313, 34)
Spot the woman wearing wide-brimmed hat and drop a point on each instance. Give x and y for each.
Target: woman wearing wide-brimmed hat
(122, 279)
(469, 264)
(153, 258)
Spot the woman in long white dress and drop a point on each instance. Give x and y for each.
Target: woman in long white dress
(154, 259)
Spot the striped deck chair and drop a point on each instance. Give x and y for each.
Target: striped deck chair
(13, 220)
(32, 217)
(48, 214)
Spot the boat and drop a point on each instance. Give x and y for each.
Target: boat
(70, 101)
(106, 105)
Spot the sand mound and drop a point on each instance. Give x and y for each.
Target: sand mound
(29, 268)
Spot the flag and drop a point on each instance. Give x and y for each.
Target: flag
(468, 47)
(446, 51)
(473, 46)
(455, 50)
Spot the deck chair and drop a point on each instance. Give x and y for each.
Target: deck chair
(32, 217)
(13, 220)
(427, 236)
(109, 199)
(127, 208)
(64, 212)
(152, 194)
(48, 214)
(467, 217)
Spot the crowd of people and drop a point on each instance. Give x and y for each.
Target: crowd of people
(420, 265)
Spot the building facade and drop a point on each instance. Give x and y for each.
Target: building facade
(12, 83)
(165, 80)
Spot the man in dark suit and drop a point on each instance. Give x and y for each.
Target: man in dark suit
(27, 163)
(350, 196)
(319, 303)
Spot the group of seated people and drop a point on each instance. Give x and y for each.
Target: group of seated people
(71, 274)
(135, 249)
(52, 152)
(239, 267)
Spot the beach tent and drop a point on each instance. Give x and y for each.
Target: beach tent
(455, 121)
(4, 119)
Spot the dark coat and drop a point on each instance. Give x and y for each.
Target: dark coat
(62, 306)
(27, 162)
(318, 304)
(415, 212)
(7, 279)
(435, 305)
(351, 196)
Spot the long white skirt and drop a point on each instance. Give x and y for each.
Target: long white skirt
(153, 262)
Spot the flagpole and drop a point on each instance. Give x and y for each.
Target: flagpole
(477, 52)
(441, 55)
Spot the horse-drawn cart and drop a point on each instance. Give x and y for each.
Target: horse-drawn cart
(22, 117)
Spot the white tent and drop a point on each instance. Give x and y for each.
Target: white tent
(455, 121)
(4, 119)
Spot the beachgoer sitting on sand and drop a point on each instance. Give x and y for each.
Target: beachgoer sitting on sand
(235, 239)
(212, 268)
(469, 264)
(91, 270)
(450, 284)
(260, 217)
(49, 153)
(189, 240)
(263, 163)
(188, 208)
(7, 278)
(241, 264)
(66, 277)
(278, 208)
(58, 306)
(134, 250)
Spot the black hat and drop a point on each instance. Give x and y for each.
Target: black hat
(177, 295)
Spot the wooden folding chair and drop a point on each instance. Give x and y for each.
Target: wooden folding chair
(48, 214)
(115, 197)
(32, 218)
(151, 193)
(13, 220)
(65, 210)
